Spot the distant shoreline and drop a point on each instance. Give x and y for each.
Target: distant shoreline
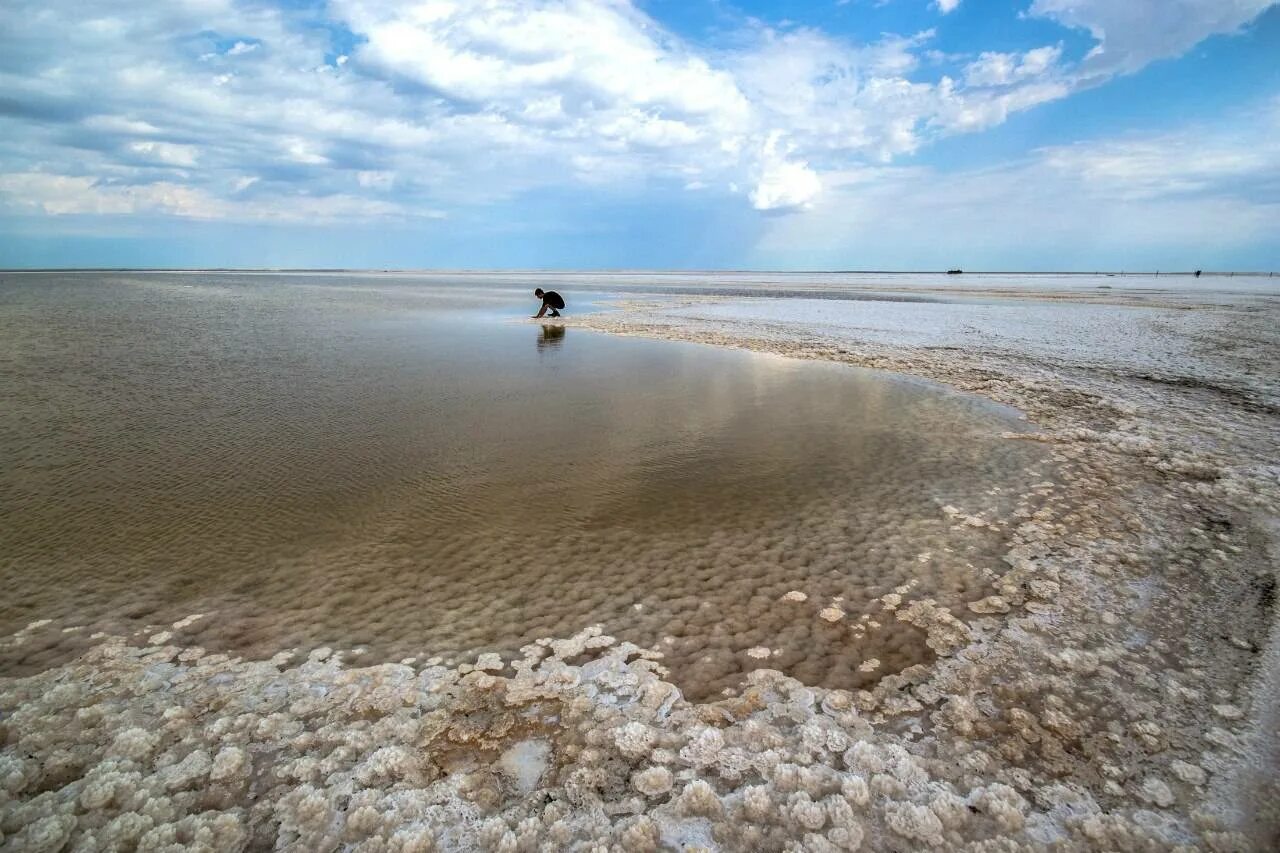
(623, 271)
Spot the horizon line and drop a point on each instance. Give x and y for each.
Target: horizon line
(638, 270)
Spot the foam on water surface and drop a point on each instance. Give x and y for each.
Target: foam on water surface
(405, 470)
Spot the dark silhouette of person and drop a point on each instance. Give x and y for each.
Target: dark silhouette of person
(551, 337)
(551, 301)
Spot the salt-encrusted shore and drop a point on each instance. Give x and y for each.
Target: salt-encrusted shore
(1119, 692)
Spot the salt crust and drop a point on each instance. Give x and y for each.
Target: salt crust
(1047, 726)
(1104, 649)
(131, 747)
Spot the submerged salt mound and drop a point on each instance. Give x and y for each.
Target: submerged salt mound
(815, 588)
(1054, 724)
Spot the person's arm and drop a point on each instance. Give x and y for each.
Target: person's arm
(541, 310)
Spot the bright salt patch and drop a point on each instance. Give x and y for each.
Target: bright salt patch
(653, 781)
(525, 763)
(188, 621)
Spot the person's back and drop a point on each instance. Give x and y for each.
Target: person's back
(551, 301)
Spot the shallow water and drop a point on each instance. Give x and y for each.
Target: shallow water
(401, 465)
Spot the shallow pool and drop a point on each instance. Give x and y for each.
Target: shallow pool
(411, 469)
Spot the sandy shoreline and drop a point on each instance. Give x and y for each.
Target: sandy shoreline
(1119, 693)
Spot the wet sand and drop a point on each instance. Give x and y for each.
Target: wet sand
(1115, 691)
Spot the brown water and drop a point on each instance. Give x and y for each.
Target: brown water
(407, 468)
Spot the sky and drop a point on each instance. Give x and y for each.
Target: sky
(641, 134)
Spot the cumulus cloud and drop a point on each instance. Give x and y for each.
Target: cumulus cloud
(1003, 69)
(947, 6)
(783, 184)
(1111, 198)
(593, 56)
(836, 100)
(404, 108)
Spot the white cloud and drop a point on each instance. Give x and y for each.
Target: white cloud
(967, 112)
(599, 58)
(165, 153)
(783, 184)
(60, 195)
(108, 124)
(947, 6)
(1194, 162)
(1134, 33)
(303, 151)
(228, 109)
(1002, 69)
(837, 101)
(1189, 193)
(378, 179)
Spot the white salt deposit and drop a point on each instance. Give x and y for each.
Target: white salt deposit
(525, 763)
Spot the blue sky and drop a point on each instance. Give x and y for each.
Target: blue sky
(866, 134)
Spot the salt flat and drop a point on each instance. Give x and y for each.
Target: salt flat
(1116, 689)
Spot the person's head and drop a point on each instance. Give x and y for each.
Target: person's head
(537, 291)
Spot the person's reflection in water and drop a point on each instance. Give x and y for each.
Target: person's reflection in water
(551, 338)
